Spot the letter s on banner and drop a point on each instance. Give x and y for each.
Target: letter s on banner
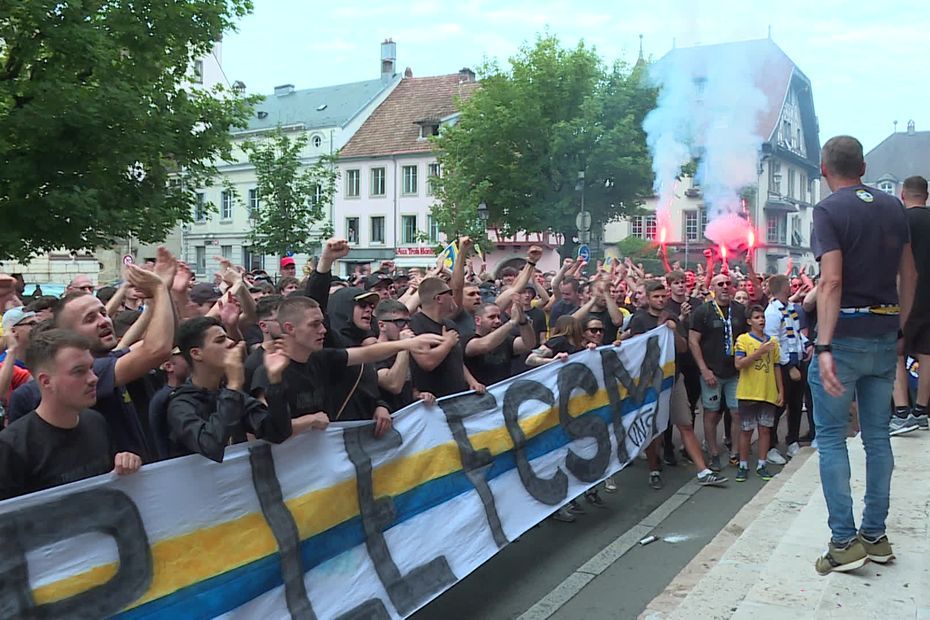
(549, 491)
(579, 376)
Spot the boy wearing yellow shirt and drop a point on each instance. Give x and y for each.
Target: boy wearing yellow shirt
(759, 390)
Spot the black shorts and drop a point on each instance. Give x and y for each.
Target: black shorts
(917, 334)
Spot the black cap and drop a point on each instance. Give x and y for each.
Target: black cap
(375, 279)
(204, 292)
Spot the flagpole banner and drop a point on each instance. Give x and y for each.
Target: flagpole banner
(337, 524)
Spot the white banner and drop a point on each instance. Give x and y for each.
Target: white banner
(337, 524)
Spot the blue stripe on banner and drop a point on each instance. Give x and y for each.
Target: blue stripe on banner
(223, 593)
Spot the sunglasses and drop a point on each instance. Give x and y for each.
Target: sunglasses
(398, 322)
(728, 283)
(366, 304)
(26, 324)
(596, 330)
(438, 295)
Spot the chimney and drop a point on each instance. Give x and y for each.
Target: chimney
(466, 75)
(284, 89)
(911, 129)
(408, 72)
(388, 60)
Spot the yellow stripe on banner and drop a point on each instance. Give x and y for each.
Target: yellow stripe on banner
(199, 555)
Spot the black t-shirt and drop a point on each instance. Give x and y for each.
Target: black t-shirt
(538, 316)
(319, 385)
(561, 344)
(673, 308)
(253, 335)
(559, 308)
(918, 219)
(464, 323)
(396, 402)
(158, 422)
(449, 376)
(493, 366)
(707, 321)
(870, 228)
(113, 402)
(35, 455)
(642, 322)
(252, 363)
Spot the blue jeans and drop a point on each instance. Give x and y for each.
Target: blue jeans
(866, 368)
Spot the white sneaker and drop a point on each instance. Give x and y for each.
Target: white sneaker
(793, 450)
(610, 485)
(774, 456)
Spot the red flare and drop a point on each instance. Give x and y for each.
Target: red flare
(663, 235)
(752, 238)
(723, 252)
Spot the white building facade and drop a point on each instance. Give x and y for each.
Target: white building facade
(385, 195)
(327, 116)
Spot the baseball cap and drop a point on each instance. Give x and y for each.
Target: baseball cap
(14, 316)
(288, 261)
(367, 296)
(375, 279)
(204, 292)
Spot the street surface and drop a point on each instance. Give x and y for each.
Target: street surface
(526, 571)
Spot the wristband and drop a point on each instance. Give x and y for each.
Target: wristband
(531, 263)
(823, 348)
(523, 322)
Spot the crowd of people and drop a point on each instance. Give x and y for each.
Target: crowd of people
(111, 378)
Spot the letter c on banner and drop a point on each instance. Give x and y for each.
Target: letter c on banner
(572, 377)
(103, 511)
(549, 491)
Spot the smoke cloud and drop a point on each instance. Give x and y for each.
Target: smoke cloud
(708, 107)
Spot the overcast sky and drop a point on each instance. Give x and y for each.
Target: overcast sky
(868, 65)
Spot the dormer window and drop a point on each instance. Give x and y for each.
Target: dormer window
(887, 187)
(428, 127)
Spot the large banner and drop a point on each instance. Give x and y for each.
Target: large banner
(337, 524)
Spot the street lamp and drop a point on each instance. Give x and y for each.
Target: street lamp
(483, 213)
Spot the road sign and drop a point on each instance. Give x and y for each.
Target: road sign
(127, 259)
(584, 253)
(583, 221)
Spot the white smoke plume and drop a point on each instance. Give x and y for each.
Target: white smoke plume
(708, 107)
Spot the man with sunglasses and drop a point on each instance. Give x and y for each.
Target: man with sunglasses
(715, 326)
(394, 373)
(441, 370)
(19, 322)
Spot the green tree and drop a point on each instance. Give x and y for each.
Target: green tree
(99, 135)
(293, 199)
(522, 138)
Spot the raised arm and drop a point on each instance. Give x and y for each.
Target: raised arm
(382, 350)
(457, 284)
(158, 339)
(318, 282)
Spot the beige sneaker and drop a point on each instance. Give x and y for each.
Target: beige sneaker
(841, 560)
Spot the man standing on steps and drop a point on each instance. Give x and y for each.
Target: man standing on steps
(917, 330)
(866, 291)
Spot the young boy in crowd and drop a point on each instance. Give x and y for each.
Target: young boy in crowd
(212, 410)
(759, 391)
